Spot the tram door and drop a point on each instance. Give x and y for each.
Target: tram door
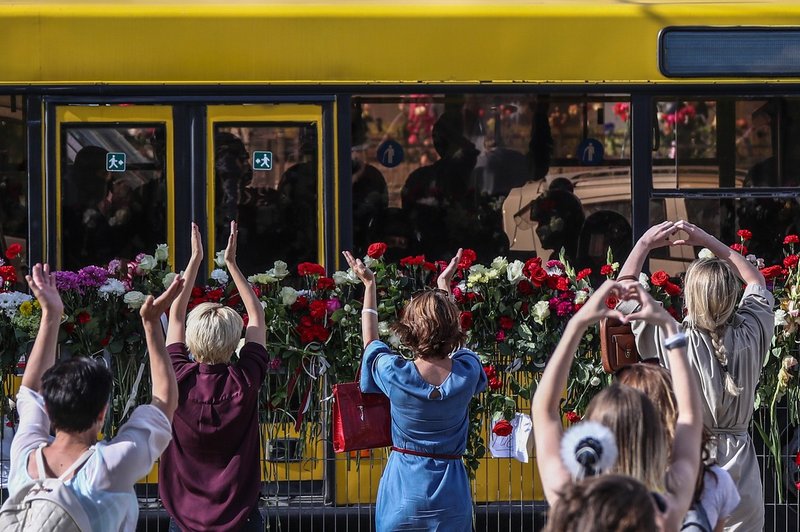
(113, 183)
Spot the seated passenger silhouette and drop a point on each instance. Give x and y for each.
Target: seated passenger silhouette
(603, 230)
(559, 217)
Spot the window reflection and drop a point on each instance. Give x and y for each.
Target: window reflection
(112, 214)
(275, 203)
(13, 190)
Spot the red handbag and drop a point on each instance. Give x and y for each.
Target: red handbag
(360, 420)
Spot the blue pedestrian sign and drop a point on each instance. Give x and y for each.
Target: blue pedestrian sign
(262, 160)
(590, 152)
(115, 162)
(390, 153)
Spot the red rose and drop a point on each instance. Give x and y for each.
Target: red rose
(83, 318)
(495, 383)
(325, 283)
(538, 276)
(525, 288)
(215, 295)
(8, 275)
(13, 250)
(572, 416)
(490, 372)
(506, 323)
(466, 320)
(310, 268)
(672, 289)
(376, 250)
(562, 284)
(611, 302)
(739, 248)
(502, 428)
(468, 256)
(771, 272)
(607, 269)
(791, 239)
(659, 278)
(583, 274)
(300, 305)
(500, 336)
(197, 292)
(790, 261)
(317, 309)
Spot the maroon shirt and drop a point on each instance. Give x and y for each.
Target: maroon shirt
(209, 477)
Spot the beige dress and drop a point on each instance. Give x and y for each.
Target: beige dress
(747, 340)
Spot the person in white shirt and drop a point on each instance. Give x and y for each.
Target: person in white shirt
(71, 397)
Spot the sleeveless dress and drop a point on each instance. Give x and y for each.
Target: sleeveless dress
(418, 492)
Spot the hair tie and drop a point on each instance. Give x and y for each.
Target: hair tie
(587, 449)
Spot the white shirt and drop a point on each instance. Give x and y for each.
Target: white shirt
(720, 496)
(104, 485)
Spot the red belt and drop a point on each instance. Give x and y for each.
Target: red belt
(427, 455)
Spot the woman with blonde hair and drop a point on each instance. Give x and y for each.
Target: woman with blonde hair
(642, 444)
(729, 335)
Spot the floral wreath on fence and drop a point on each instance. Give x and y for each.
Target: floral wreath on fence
(513, 314)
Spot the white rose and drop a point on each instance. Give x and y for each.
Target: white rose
(780, 318)
(383, 329)
(491, 273)
(514, 271)
(219, 276)
(162, 253)
(541, 311)
(580, 297)
(147, 263)
(219, 259)
(595, 381)
(706, 253)
(348, 277)
(134, 299)
(644, 280)
(280, 270)
(500, 264)
(168, 279)
(288, 295)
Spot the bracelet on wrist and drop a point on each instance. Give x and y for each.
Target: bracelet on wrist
(627, 278)
(675, 341)
(369, 311)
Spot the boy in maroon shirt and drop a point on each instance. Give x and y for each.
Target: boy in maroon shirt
(209, 477)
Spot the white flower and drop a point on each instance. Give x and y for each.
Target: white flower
(368, 261)
(514, 271)
(491, 273)
(10, 302)
(162, 253)
(168, 279)
(219, 259)
(500, 264)
(347, 277)
(477, 274)
(134, 299)
(541, 311)
(644, 280)
(554, 270)
(219, 276)
(780, 318)
(288, 295)
(280, 269)
(580, 297)
(706, 253)
(147, 263)
(595, 381)
(261, 278)
(112, 287)
(383, 329)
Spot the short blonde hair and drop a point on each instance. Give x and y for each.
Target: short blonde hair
(212, 332)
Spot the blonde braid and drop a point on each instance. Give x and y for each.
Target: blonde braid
(721, 354)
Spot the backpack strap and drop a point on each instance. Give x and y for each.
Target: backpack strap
(71, 469)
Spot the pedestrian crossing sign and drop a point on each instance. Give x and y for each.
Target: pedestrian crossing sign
(115, 162)
(262, 160)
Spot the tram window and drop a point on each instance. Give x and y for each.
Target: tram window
(112, 206)
(13, 189)
(432, 173)
(275, 201)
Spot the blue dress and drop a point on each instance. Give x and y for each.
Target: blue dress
(418, 492)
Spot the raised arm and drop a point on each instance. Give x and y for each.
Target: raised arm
(369, 312)
(165, 388)
(685, 458)
(547, 425)
(256, 325)
(43, 354)
(446, 277)
(655, 237)
(741, 266)
(176, 332)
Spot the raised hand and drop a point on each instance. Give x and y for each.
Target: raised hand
(153, 308)
(43, 286)
(362, 271)
(694, 235)
(660, 235)
(446, 277)
(649, 310)
(197, 244)
(230, 250)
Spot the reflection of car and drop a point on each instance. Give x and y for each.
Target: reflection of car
(609, 189)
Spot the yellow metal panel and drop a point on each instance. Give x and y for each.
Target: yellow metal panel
(182, 42)
(117, 115)
(252, 113)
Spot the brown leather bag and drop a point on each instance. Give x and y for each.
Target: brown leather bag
(617, 345)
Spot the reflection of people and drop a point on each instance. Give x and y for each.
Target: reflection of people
(603, 230)
(424, 485)
(559, 217)
(297, 190)
(729, 337)
(71, 398)
(440, 198)
(232, 174)
(210, 476)
(643, 450)
(370, 194)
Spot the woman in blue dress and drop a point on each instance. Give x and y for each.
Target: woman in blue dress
(425, 484)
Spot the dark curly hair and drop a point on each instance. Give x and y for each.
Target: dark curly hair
(429, 325)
